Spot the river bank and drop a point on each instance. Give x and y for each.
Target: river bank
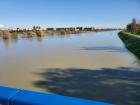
(131, 41)
(39, 32)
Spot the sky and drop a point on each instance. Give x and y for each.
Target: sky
(68, 13)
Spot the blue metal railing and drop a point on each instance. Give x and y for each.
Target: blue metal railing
(12, 96)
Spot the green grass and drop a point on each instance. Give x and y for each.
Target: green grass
(131, 41)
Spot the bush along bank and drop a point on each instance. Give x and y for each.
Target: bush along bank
(131, 41)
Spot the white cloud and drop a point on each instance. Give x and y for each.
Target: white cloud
(1, 25)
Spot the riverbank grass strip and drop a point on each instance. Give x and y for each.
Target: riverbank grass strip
(131, 41)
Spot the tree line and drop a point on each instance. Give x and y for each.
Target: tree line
(134, 27)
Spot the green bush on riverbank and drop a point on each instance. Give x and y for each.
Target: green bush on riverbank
(131, 41)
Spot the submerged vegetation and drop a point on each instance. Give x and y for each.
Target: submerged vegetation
(4, 34)
(131, 37)
(14, 35)
(40, 33)
(37, 31)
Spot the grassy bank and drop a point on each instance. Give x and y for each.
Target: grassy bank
(131, 41)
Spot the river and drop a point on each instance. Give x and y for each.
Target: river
(93, 65)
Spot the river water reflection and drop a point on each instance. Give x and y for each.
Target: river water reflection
(90, 65)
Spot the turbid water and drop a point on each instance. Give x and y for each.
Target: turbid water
(93, 66)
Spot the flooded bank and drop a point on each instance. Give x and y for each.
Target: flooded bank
(93, 65)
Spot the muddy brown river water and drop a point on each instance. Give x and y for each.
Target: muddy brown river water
(93, 65)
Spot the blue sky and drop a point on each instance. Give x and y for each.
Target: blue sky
(65, 13)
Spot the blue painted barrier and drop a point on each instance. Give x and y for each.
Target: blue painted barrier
(11, 96)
